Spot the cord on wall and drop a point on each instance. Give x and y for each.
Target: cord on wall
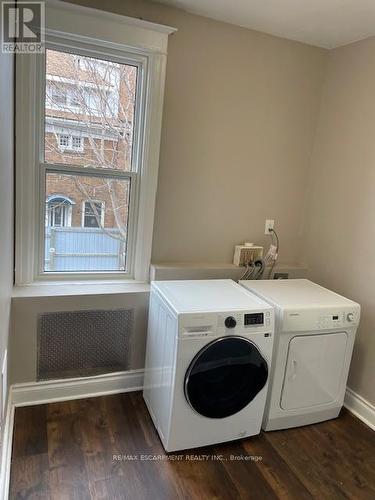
(273, 254)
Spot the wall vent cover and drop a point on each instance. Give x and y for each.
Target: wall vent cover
(83, 343)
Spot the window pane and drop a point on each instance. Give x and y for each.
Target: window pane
(86, 223)
(89, 111)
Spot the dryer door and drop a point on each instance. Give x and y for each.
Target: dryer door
(225, 376)
(314, 368)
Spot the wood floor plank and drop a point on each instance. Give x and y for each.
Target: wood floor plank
(202, 478)
(105, 448)
(152, 441)
(29, 477)
(275, 471)
(68, 478)
(141, 477)
(244, 473)
(351, 463)
(91, 423)
(30, 431)
(306, 456)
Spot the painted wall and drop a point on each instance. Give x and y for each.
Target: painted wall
(239, 118)
(340, 229)
(6, 197)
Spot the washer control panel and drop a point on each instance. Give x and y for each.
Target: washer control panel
(245, 322)
(227, 323)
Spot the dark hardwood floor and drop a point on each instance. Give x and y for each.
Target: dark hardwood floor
(91, 449)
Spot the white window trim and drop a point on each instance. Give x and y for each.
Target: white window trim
(102, 213)
(73, 25)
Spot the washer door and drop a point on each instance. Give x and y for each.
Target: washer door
(224, 377)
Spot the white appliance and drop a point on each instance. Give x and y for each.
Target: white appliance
(209, 348)
(314, 336)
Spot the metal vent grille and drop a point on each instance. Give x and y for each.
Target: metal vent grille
(83, 343)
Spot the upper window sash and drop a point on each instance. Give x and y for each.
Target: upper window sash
(135, 128)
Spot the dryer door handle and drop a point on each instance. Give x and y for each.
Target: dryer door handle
(293, 371)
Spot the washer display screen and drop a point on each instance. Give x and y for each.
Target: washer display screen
(225, 376)
(254, 319)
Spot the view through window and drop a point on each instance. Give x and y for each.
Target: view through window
(90, 108)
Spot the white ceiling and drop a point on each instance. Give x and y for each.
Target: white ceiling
(324, 23)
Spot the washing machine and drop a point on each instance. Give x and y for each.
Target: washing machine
(314, 336)
(209, 348)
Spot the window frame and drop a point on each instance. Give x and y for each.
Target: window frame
(143, 44)
(92, 50)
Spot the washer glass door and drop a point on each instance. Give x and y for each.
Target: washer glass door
(224, 377)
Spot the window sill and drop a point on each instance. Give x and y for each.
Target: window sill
(59, 289)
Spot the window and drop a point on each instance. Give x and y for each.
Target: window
(76, 94)
(58, 211)
(58, 96)
(93, 126)
(62, 94)
(70, 142)
(77, 142)
(93, 214)
(103, 157)
(74, 100)
(63, 141)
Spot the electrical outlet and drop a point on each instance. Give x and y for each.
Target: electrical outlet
(269, 225)
(281, 276)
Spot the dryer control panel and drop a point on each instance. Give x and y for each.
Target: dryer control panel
(336, 319)
(299, 320)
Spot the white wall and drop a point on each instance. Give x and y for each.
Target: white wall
(340, 228)
(6, 197)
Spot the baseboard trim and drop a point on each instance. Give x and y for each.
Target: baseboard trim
(34, 393)
(360, 407)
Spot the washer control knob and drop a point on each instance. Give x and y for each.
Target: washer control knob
(230, 322)
(350, 317)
